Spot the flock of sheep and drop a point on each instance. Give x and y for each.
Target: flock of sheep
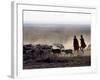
(42, 52)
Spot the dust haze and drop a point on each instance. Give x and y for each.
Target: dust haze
(55, 33)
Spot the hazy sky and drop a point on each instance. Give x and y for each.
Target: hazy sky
(56, 18)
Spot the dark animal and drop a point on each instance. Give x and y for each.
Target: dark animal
(28, 54)
(28, 47)
(56, 51)
(68, 51)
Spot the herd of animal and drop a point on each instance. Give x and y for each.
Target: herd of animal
(33, 52)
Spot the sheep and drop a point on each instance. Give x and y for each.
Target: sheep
(56, 51)
(68, 51)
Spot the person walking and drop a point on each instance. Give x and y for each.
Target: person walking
(76, 44)
(82, 42)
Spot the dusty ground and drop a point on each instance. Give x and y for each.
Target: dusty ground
(73, 61)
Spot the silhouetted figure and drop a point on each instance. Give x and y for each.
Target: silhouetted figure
(83, 45)
(75, 44)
